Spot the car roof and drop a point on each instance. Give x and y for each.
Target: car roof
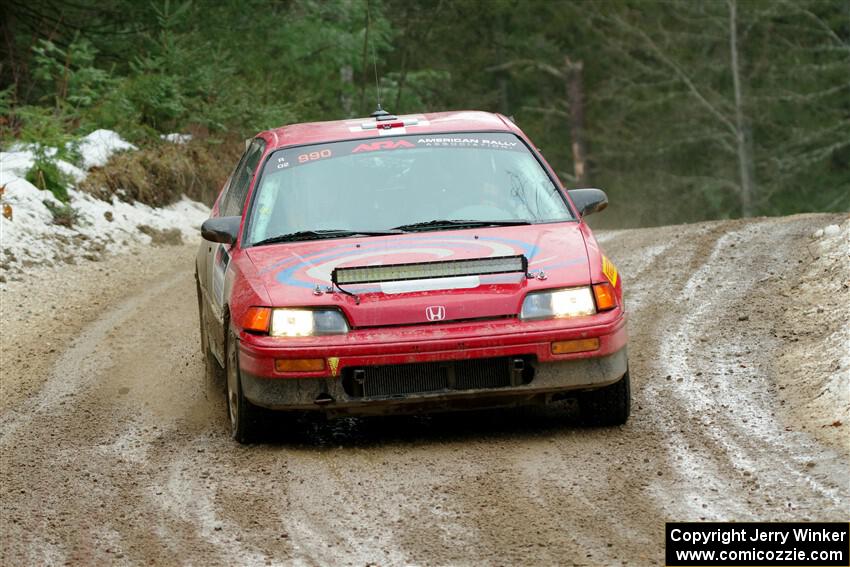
(355, 128)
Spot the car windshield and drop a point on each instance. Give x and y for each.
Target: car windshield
(402, 182)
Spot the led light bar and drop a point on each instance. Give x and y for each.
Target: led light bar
(426, 270)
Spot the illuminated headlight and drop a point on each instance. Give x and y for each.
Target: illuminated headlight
(573, 302)
(307, 322)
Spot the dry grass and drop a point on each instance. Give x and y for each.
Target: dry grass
(160, 174)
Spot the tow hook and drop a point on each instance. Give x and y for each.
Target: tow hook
(517, 368)
(323, 399)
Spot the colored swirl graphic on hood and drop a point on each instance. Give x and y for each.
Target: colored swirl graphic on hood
(308, 270)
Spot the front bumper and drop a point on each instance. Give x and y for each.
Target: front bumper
(550, 379)
(431, 343)
(264, 386)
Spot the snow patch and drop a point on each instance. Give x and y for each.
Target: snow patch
(16, 163)
(71, 170)
(101, 227)
(98, 147)
(29, 235)
(177, 138)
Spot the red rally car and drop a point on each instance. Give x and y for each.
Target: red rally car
(407, 263)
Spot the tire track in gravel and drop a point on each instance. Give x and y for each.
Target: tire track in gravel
(113, 399)
(655, 310)
(752, 442)
(119, 459)
(79, 365)
(749, 448)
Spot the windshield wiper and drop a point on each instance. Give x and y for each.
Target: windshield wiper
(320, 234)
(457, 223)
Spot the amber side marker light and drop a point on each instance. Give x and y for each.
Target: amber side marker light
(605, 297)
(257, 319)
(299, 364)
(578, 345)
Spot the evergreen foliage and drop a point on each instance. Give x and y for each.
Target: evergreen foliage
(693, 109)
(45, 175)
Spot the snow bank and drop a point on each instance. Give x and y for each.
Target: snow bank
(98, 147)
(19, 161)
(95, 150)
(31, 237)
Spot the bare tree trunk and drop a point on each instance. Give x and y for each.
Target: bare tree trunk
(497, 37)
(504, 96)
(401, 80)
(745, 158)
(346, 77)
(365, 61)
(575, 99)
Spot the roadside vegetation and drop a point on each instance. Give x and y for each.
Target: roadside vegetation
(681, 110)
(159, 173)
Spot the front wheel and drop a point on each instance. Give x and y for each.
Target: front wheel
(610, 405)
(243, 414)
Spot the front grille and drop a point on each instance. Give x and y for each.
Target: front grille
(484, 373)
(402, 379)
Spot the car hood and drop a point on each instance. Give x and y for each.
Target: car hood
(291, 272)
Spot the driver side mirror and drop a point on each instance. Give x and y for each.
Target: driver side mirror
(588, 201)
(221, 229)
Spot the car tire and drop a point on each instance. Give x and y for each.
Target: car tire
(610, 405)
(213, 372)
(244, 416)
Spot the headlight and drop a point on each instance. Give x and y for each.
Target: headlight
(307, 322)
(573, 302)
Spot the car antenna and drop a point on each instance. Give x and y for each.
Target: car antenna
(380, 113)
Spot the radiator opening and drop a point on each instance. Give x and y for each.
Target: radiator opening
(429, 377)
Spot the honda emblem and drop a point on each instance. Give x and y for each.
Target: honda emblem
(435, 313)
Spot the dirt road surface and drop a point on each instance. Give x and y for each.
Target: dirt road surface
(112, 455)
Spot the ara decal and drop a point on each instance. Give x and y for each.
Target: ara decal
(384, 145)
(610, 270)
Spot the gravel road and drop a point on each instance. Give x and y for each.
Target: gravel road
(111, 454)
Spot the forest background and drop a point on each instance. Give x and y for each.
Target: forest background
(682, 110)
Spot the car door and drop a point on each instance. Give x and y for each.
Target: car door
(231, 203)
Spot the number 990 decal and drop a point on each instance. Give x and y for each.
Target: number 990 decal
(312, 156)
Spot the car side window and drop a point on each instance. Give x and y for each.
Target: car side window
(225, 192)
(234, 200)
